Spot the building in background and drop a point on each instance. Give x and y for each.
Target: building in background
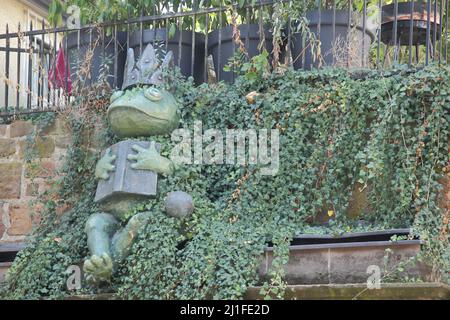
(28, 14)
(13, 12)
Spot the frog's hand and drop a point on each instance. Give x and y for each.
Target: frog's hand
(105, 165)
(150, 159)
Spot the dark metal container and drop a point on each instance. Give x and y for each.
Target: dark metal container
(338, 46)
(222, 46)
(109, 50)
(404, 22)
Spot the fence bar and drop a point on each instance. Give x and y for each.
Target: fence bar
(394, 32)
(411, 23)
(441, 14)
(233, 43)
(380, 3)
(141, 33)
(116, 54)
(427, 41)
(180, 36)
(22, 50)
(166, 26)
(349, 31)
(219, 54)
(319, 17)
(154, 25)
(434, 30)
(289, 38)
(128, 27)
(26, 111)
(446, 29)
(319, 22)
(262, 36)
(247, 34)
(30, 66)
(7, 69)
(334, 28)
(66, 67)
(194, 19)
(59, 89)
(49, 64)
(167, 32)
(78, 47)
(91, 47)
(103, 35)
(54, 66)
(363, 52)
(68, 73)
(206, 50)
(18, 72)
(41, 70)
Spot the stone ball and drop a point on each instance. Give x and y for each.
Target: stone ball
(179, 204)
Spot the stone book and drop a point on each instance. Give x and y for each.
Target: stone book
(124, 179)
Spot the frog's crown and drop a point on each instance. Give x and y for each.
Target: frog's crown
(147, 70)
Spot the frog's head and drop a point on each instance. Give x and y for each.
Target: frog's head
(143, 111)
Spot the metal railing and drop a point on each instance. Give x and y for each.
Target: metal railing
(39, 65)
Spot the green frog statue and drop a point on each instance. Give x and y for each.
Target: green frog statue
(128, 171)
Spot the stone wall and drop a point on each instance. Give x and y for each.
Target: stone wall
(22, 181)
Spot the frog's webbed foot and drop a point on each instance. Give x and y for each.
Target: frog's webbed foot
(98, 268)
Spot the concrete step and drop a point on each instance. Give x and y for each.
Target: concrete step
(387, 291)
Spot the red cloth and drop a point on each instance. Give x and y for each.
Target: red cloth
(59, 72)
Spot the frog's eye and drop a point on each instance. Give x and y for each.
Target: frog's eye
(116, 95)
(153, 94)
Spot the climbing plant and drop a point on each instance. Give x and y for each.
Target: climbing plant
(380, 134)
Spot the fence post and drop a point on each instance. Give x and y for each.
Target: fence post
(7, 69)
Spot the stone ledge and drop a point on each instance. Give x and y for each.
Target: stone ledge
(341, 263)
(101, 296)
(388, 291)
(8, 252)
(11, 247)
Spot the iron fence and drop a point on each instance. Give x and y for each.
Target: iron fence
(40, 65)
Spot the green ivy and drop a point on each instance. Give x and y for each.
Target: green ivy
(385, 132)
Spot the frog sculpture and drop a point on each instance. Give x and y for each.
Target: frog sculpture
(140, 109)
